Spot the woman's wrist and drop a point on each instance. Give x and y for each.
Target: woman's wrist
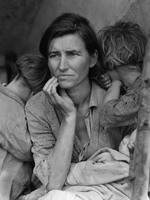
(71, 117)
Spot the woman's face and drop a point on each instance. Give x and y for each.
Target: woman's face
(69, 61)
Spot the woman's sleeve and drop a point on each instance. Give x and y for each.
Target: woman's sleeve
(43, 142)
(121, 112)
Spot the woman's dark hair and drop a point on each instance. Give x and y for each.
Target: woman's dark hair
(34, 70)
(123, 43)
(71, 23)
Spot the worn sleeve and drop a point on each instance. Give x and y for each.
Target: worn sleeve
(43, 141)
(14, 135)
(121, 112)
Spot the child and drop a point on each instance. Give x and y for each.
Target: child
(15, 144)
(123, 47)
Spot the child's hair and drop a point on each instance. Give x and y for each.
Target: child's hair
(34, 70)
(122, 44)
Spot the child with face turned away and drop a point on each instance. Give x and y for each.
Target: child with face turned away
(16, 162)
(123, 47)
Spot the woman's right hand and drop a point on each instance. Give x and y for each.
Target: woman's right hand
(61, 101)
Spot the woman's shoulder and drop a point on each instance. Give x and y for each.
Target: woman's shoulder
(98, 90)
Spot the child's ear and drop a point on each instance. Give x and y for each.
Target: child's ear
(94, 58)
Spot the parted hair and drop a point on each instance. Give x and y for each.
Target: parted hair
(123, 43)
(71, 23)
(34, 70)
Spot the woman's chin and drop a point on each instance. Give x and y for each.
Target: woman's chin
(65, 85)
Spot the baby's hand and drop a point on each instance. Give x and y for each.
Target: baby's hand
(123, 147)
(132, 139)
(103, 158)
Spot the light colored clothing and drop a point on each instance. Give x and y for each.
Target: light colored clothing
(92, 172)
(15, 176)
(44, 124)
(15, 143)
(14, 135)
(98, 192)
(93, 180)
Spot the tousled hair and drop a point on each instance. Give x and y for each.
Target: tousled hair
(123, 44)
(34, 70)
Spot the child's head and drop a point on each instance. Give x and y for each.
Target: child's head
(34, 71)
(122, 44)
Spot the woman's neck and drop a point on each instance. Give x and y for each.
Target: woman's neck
(80, 94)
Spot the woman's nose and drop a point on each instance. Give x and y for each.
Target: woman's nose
(63, 65)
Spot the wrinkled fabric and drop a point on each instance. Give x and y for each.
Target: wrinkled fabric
(34, 195)
(44, 123)
(96, 173)
(15, 146)
(101, 192)
(15, 175)
(123, 111)
(14, 135)
(91, 180)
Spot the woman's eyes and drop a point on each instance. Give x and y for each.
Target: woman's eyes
(68, 54)
(53, 55)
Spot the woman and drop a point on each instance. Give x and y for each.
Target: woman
(15, 152)
(64, 118)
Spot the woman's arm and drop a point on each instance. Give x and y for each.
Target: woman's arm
(61, 158)
(52, 140)
(62, 153)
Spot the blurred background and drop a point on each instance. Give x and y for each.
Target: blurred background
(22, 23)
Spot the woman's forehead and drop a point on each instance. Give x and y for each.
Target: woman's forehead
(69, 41)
